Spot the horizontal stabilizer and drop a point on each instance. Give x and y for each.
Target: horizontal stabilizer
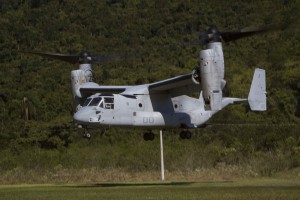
(257, 96)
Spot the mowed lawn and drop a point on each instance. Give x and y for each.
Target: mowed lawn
(245, 189)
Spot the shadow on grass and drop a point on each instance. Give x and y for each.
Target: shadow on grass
(132, 184)
(145, 184)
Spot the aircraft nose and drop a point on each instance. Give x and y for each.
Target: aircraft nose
(82, 116)
(78, 117)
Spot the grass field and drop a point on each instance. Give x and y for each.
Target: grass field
(250, 189)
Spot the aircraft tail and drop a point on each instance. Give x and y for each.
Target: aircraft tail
(257, 96)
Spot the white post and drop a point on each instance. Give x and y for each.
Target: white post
(162, 156)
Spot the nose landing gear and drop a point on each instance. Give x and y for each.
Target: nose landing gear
(86, 134)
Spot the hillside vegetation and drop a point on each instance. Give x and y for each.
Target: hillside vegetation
(239, 143)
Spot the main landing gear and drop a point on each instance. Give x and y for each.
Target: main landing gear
(185, 134)
(149, 136)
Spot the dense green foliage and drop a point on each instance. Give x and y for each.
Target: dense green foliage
(153, 30)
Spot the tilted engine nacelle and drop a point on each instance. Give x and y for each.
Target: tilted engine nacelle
(212, 76)
(79, 77)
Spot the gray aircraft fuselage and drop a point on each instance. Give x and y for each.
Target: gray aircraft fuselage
(144, 111)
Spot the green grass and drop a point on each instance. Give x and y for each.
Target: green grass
(250, 189)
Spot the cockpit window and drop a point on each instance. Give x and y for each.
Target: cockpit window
(109, 102)
(87, 101)
(95, 101)
(106, 102)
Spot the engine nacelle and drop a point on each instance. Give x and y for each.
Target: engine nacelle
(211, 78)
(79, 77)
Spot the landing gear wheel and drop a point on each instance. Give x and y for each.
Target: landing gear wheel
(151, 136)
(86, 134)
(188, 135)
(182, 134)
(185, 134)
(148, 136)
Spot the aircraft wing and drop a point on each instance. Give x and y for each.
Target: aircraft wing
(92, 88)
(176, 86)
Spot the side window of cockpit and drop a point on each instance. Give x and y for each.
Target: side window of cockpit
(95, 101)
(87, 101)
(109, 102)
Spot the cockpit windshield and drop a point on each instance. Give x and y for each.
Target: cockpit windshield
(95, 101)
(102, 101)
(87, 101)
(92, 101)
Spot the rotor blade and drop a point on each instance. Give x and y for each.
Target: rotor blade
(107, 58)
(67, 58)
(246, 32)
(203, 38)
(192, 43)
(113, 58)
(82, 57)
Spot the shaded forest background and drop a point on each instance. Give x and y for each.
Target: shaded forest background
(48, 148)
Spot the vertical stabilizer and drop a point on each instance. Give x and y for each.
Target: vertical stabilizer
(257, 96)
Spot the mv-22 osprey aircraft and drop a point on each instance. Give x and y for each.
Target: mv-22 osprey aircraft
(164, 104)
